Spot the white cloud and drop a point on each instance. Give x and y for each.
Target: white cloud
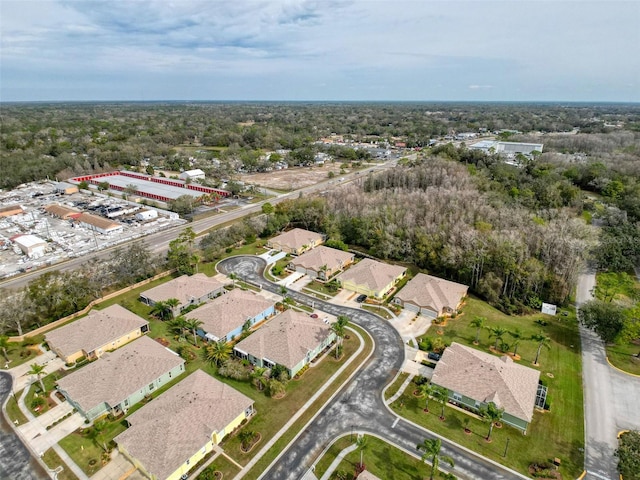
(521, 50)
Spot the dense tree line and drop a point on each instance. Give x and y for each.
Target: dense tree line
(62, 140)
(56, 294)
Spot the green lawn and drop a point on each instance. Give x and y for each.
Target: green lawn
(53, 461)
(321, 288)
(331, 454)
(222, 464)
(84, 452)
(19, 354)
(393, 388)
(380, 458)
(625, 357)
(49, 384)
(378, 311)
(13, 411)
(557, 433)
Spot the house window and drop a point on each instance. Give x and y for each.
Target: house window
(477, 404)
(151, 386)
(126, 402)
(457, 397)
(169, 374)
(188, 462)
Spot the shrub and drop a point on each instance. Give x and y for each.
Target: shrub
(233, 369)
(628, 454)
(38, 402)
(277, 270)
(280, 373)
(276, 388)
(186, 353)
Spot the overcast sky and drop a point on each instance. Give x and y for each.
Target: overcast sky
(511, 50)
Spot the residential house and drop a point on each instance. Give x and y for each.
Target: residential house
(431, 296)
(321, 262)
(100, 331)
(120, 379)
(476, 378)
(291, 339)
(167, 437)
(373, 278)
(188, 290)
(296, 241)
(224, 318)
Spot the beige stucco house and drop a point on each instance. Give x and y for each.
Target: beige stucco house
(296, 241)
(167, 437)
(187, 289)
(321, 262)
(120, 379)
(291, 339)
(476, 378)
(431, 296)
(99, 332)
(372, 278)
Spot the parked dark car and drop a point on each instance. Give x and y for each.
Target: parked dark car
(361, 298)
(434, 356)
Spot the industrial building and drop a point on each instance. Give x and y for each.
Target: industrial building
(98, 224)
(65, 188)
(10, 210)
(196, 174)
(30, 245)
(507, 148)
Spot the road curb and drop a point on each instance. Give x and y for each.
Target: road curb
(619, 369)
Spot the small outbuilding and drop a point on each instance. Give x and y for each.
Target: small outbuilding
(146, 215)
(65, 188)
(195, 174)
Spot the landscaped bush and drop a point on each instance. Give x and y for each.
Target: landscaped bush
(186, 353)
(628, 454)
(276, 389)
(38, 402)
(280, 373)
(234, 369)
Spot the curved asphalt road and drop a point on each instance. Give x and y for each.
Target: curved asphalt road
(359, 406)
(15, 461)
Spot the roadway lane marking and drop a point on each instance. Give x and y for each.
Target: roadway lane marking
(395, 422)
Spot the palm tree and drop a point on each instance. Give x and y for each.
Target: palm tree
(163, 309)
(361, 442)
(172, 303)
(493, 414)
(478, 323)
(338, 327)
(246, 437)
(218, 353)
(38, 370)
(4, 346)
(193, 324)
(497, 332)
(516, 334)
(95, 434)
(179, 325)
(543, 341)
(426, 389)
(233, 278)
(258, 378)
(441, 395)
(431, 448)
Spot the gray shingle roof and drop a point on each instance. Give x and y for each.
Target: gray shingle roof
(428, 291)
(230, 311)
(174, 426)
(321, 255)
(286, 338)
(487, 378)
(118, 374)
(373, 274)
(97, 329)
(184, 288)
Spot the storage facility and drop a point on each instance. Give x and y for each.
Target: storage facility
(156, 188)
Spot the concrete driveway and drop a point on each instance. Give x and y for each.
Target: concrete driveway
(610, 396)
(360, 405)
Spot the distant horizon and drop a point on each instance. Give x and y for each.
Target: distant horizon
(382, 102)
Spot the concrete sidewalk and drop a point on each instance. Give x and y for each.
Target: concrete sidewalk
(337, 460)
